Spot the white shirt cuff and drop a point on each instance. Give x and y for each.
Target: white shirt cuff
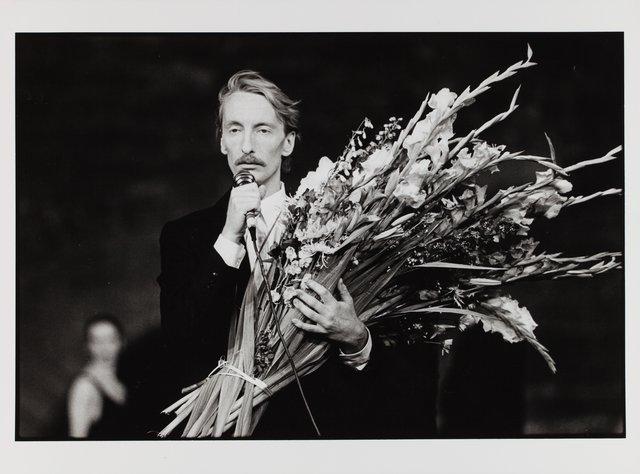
(358, 360)
(231, 252)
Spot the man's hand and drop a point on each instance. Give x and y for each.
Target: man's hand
(243, 199)
(336, 320)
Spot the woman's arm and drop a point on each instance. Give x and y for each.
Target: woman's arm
(105, 377)
(84, 406)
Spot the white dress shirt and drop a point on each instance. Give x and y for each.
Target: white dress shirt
(269, 224)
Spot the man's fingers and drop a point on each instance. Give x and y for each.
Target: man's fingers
(248, 193)
(321, 291)
(344, 292)
(314, 328)
(246, 190)
(308, 312)
(247, 187)
(310, 301)
(247, 203)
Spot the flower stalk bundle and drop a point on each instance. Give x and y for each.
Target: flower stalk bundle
(424, 250)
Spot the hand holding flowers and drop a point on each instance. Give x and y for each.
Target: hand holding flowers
(334, 319)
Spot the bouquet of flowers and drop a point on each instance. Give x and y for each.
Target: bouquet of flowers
(424, 249)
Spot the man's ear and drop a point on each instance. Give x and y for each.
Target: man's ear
(223, 148)
(289, 143)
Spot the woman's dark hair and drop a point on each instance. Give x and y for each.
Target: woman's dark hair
(103, 318)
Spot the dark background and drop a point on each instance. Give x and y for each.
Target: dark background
(115, 137)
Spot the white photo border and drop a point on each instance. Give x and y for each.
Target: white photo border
(441, 456)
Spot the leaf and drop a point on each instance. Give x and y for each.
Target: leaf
(485, 282)
(244, 422)
(386, 233)
(171, 426)
(392, 182)
(455, 266)
(372, 199)
(514, 323)
(514, 98)
(204, 406)
(402, 219)
(355, 219)
(354, 236)
(511, 327)
(552, 150)
(608, 157)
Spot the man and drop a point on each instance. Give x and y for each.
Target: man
(207, 259)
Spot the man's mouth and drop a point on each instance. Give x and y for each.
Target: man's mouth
(249, 162)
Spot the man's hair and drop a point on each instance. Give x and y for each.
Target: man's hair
(103, 318)
(251, 81)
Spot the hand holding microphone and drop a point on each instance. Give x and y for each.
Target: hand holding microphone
(244, 203)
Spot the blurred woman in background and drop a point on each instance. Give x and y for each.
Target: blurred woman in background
(96, 402)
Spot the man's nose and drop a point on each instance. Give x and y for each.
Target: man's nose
(247, 143)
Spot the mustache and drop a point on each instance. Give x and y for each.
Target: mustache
(249, 160)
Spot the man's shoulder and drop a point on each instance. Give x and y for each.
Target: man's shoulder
(207, 218)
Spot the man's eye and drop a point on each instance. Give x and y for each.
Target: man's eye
(264, 131)
(233, 130)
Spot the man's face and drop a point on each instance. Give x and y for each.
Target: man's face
(253, 137)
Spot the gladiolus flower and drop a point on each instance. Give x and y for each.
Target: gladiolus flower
(290, 253)
(442, 100)
(377, 162)
(318, 178)
(275, 296)
(410, 193)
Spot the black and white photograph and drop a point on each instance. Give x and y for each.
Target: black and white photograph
(390, 238)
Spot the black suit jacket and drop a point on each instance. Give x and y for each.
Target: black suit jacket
(393, 397)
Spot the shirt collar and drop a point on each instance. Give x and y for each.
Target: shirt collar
(276, 200)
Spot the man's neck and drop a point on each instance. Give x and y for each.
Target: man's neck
(273, 185)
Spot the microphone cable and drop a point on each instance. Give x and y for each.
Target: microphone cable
(244, 177)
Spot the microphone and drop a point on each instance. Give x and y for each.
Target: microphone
(241, 178)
